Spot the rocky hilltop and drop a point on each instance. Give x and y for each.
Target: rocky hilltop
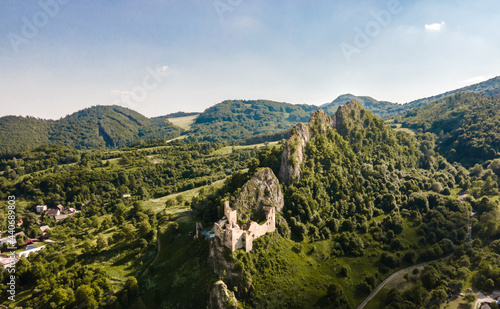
(222, 298)
(293, 152)
(263, 189)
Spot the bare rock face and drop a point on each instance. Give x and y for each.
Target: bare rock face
(301, 134)
(222, 298)
(220, 263)
(263, 189)
(293, 152)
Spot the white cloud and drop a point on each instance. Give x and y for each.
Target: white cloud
(164, 68)
(435, 26)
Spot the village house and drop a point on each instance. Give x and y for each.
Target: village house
(43, 228)
(60, 207)
(235, 237)
(41, 208)
(54, 212)
(6, 261)
(61, 217)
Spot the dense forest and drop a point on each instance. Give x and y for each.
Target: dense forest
(467, 126)
(237, 121)
(91, 128)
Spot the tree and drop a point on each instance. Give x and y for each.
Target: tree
(430, 277)
(88, 246)
(101, 242)
(335, 295)
(60, 297)
(84, 295)
(19, 240)
(128, 231)
(144, 228)
(132, 286)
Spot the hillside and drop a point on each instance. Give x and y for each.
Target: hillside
(18, 133)
(239, 120)
(353, 190)
(90, 128)
(467, 126)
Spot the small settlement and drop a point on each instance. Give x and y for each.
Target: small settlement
(33, 245)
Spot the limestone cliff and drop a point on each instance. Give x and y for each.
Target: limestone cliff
(263, 189)
(221, 263)
(301, 134)
(222, 298)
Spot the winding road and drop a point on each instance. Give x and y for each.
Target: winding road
(380, 286)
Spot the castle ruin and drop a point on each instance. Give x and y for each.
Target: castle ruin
(235, 237)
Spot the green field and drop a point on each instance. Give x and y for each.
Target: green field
(399, 128)
(229, 149)
(158, 204)
(183, 122)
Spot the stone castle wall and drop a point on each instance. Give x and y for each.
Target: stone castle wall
(234, 237)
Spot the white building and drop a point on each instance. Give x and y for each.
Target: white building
(41, 208)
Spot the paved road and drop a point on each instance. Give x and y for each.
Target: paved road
(481, 298)
(380, 286)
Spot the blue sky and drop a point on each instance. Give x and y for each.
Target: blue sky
(158, 57)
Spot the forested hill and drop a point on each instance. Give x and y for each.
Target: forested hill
(361, 202)
(382, 109)
(94, 127)
(239, 120)
(467, 126)
(489, 87)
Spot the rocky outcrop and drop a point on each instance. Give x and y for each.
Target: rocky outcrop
(263, 189)
(347, 115)
(301, 134)
(221, 263)
(222, 298)
(293, 152)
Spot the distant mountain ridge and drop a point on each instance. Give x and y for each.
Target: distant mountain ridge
(231, 121)
(383, 109)
(488, 87)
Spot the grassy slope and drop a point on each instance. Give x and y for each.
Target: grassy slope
(229, 149)
(183, 122)
(317, 270)
(158, 204)
(179, 274)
